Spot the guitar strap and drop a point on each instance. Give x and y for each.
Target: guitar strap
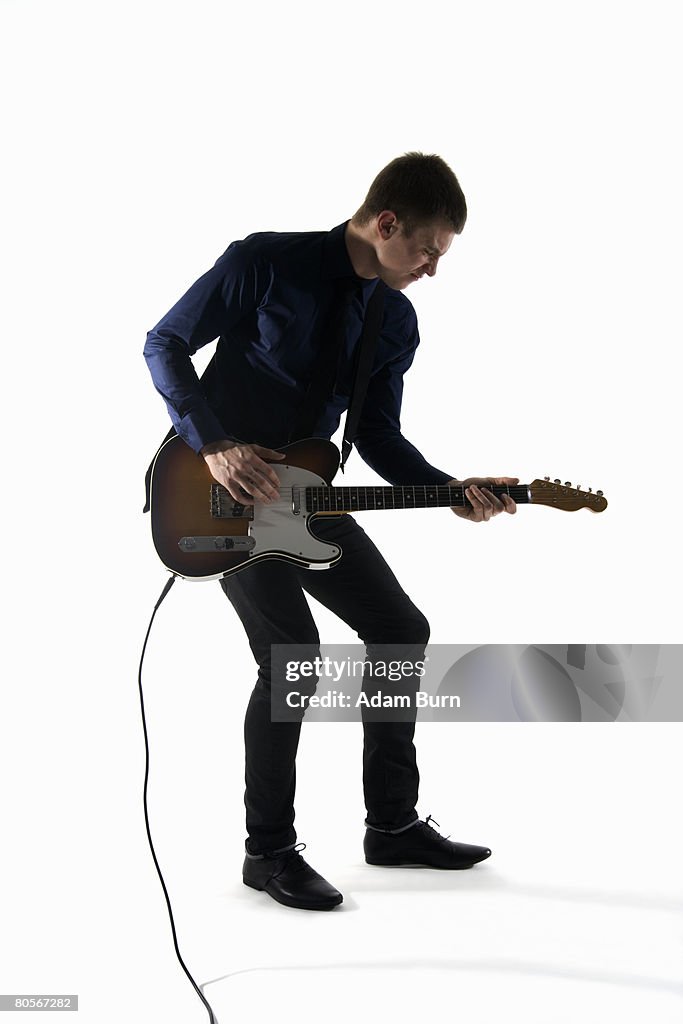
(364, 359)
(324, 375)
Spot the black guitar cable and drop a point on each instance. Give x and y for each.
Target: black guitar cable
(164, 592)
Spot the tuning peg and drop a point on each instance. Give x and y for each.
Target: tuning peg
(567, 483)
(557, 480)
(599, 494)
(578, 487)
(546, 478)
(590, 490)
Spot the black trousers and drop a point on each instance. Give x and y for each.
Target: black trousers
(363, 591)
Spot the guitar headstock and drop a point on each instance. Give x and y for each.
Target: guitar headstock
(558, 495)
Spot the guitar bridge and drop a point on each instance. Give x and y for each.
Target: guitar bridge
(224, 506)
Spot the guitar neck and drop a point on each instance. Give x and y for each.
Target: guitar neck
(363, 499)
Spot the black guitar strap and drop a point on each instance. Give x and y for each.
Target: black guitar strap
(325, 370)
(326, 363)
(366, 353)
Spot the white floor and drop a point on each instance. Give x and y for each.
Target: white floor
(576, 916)
(486, 946)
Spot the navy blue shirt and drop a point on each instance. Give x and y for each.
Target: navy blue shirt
(267, 300)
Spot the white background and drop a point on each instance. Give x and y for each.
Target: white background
(139, 140)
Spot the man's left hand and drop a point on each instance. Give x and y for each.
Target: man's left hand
(483, 503)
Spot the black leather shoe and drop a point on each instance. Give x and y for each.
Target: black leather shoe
(420, 846)
(285, 875)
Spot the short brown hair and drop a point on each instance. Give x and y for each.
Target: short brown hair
(419, 188)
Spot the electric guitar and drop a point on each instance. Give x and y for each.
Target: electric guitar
(201, 533)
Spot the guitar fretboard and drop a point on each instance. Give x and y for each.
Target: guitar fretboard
(362, 499)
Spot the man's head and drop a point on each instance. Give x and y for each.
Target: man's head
(409, 217)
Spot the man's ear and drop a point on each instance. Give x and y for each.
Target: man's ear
(387, 223)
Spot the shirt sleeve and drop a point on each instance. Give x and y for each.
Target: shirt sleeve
(378, 439)
(210, 307)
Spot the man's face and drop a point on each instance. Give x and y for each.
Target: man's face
(404, 259)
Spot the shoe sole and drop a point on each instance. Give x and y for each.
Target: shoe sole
(410, 864)
(292, 903)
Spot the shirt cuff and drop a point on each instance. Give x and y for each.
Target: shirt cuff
(199, 427)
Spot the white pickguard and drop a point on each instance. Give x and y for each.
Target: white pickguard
(277, 529)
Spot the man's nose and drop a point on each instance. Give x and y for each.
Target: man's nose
(431, 266)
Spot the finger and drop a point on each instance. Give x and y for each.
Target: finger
(475, 505)
(262, 473)
(254, 488)
(267, 453)
(265, 477)
(508, 502)
(510, 505)
(496, 501)
(238, 494)
(491, 504)
(481, 506)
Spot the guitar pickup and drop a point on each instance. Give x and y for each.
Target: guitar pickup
(192, 545)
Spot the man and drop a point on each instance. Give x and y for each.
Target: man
(273, 299)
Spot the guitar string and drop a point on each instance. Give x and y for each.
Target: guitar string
(395, 492)
(332, 506)
(374, 492)
(408, 495)
(336, 494)
(370, 488)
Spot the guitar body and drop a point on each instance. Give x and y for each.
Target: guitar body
(201, 533)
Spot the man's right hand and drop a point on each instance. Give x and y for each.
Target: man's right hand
(242, 470)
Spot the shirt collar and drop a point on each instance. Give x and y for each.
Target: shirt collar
(336, 261)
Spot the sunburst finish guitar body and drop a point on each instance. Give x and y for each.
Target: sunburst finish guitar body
(200, 532)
